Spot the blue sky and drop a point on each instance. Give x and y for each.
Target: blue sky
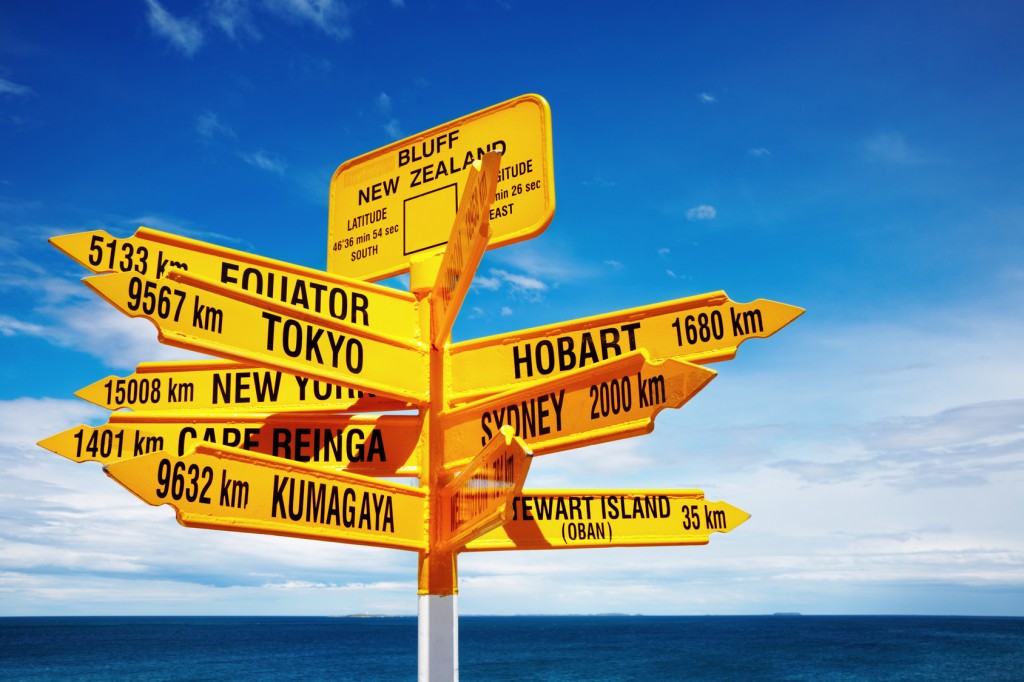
(860, 160)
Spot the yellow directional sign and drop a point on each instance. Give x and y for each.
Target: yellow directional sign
(201, 315)
(465, 248)
(614, 399)
(110, 442)
(379, 445)
(222, 385)
(576, 519)
(401, 199)
(478, 499)
(228, 489)
(371, 445)
(153, 254)
(699, 329)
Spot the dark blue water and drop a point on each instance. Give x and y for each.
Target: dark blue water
(517, 648)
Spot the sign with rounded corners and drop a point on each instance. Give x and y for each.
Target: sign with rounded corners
(400, 201)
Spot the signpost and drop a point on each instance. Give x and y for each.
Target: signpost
(577, 519)
(278, 437)
(614, 399)
(701, 329)
(223, 386)
(228, 489)
(110, 442)
(478, 499)
(465, 247)
(371, 445)
(400, 200)
(153, 255)
(200, 315)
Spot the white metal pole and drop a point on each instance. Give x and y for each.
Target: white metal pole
(438, 638)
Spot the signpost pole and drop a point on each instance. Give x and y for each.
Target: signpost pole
(437, 609)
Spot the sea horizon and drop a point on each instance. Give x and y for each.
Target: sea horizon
(602, 646)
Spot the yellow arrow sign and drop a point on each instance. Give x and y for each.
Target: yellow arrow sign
(401, 199)
(382, 445)
(576, 519)
(103, 444)
(614, 399)
(229, 489)
(221, 385)
(699, 329)
(153, 254)
(200, 315)
(477, 500)
(465, 248)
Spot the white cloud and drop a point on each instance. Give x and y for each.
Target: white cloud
(549, 261)
(759, 152)
(95, 327)
(706, 98)
(614, 264)
(890, 147)
(487, 283)
(234, 18)
(505, 311)
(701, 212)
(529, 288)
(184, 34)
(210, 126)
(264, 161)
(329, 16)
(383, 106)
(9, 88)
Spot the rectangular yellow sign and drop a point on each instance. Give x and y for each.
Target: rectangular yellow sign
(198, 314)
(478, 498)
(378, 445)
(153, 254)
(225, 386)
(465, 248)
(699, 329)
(577, 519)
(614, 399)
(228, 489)
(401, 199)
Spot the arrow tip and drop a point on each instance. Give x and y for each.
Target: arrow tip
(734, 516)
(137, 475)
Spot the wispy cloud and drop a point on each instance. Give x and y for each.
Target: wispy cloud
(210, 126)
(264, 161)
(383, 106)
(184, 34)
(890, 147)
(329, 16)
(237, 19)
(524, 286)
(701, 212)
(234, 18)
(9, 88)
(96, 328)
(759, 152)
(706, 98)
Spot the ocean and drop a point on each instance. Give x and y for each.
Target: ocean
(493, 648)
